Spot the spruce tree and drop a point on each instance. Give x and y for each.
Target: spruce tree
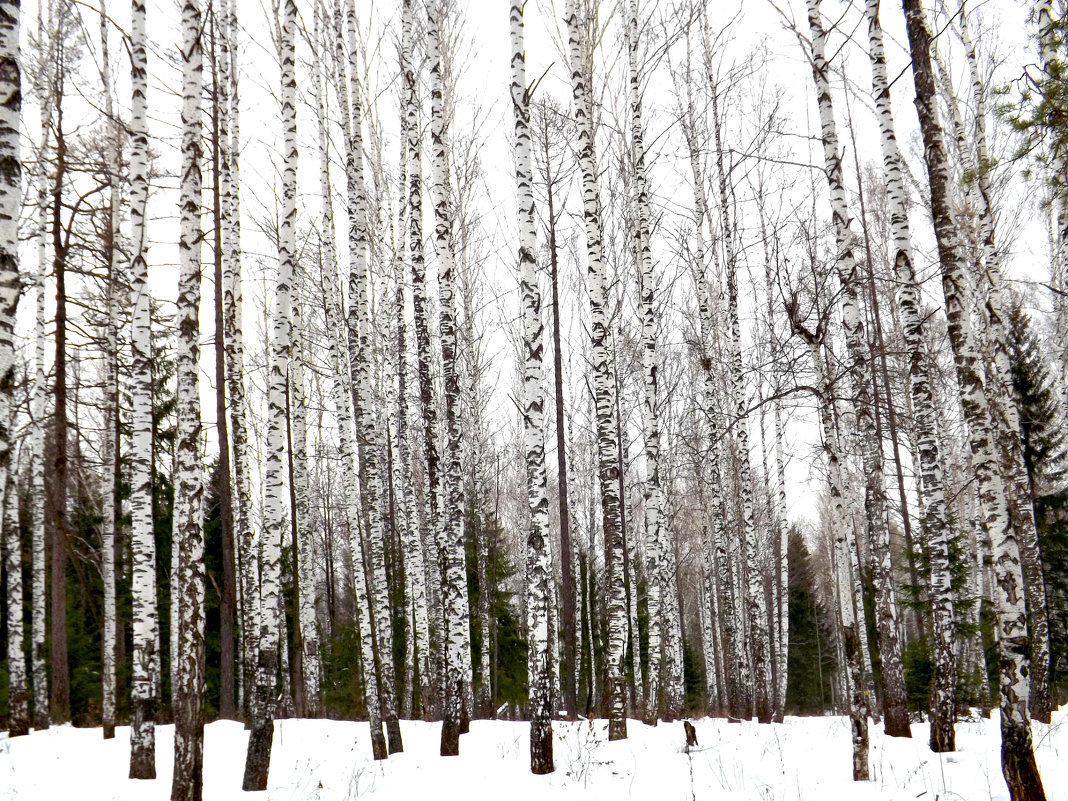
(1045, 446)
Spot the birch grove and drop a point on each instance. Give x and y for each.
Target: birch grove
(1018, 762)
(383, 514)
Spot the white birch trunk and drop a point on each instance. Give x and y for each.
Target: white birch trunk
(145, 678)
(358, 331)
(38, 631)
(304, 552)
(650, 416)
(1021, 507)
(753, 590)
(850, 642)
(275, 516)
(187, 583)
(604, 384)
(18, 715)
(109, 444)
(427, 407)
(935, 522)
(540, 595)
(894, 701)
(407, 512)
(784, 570)
(451, 525)
(343, 404)
(229, 190)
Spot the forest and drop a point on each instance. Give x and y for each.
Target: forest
(433, 374)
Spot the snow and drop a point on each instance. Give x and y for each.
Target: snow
(801, 759)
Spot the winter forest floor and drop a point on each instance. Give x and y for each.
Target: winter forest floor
(802, 759)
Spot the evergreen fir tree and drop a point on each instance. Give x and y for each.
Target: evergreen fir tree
(1045, 445)
(811, 664)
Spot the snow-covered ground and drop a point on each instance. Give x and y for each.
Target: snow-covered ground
(804, 758)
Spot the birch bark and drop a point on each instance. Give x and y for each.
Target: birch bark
(109, 442)
(38, 410)
(275, 522)
(935, 522)
(358, 331)
(854, 690)
(18, 715)
(451, 525)
(411, 541)
(539, 565)
(650, 415)
(753, 590)
(307, 656)
(1018, 761)
(145, 678)
(604, 384)
(894, 701)
(1021, 507)
(188, 533)
(230, 191)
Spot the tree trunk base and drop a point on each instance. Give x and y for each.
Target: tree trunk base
(896, 722)
(1018, 765)
(109, 731)
(393, 733)
(541, 747)
(258, 760)
(378, 744)
(187, 783)
(860, 749)
(943, 736)
(617, 729)
(465, 718)
(142, 741)
(18, 727)
(450, 738)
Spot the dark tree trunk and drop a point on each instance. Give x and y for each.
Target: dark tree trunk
(59, 705)
(567, 588)
(226, 513)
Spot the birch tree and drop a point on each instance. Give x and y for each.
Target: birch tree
(753, 593)
(188, 533)
(894, 700)
(604, 380)
(359, 342)
(415, 569)
(935, 522)
(341, 375)
(307, 644)
(427, 405)
(109, 513)
(145, 679)
(18, 716)
(1017, 755)
(275, 517)
(654, 499)
(997, 326)
(855, 689)
(451, 525)
(37, 412)
(539, 565)
(230, 191)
